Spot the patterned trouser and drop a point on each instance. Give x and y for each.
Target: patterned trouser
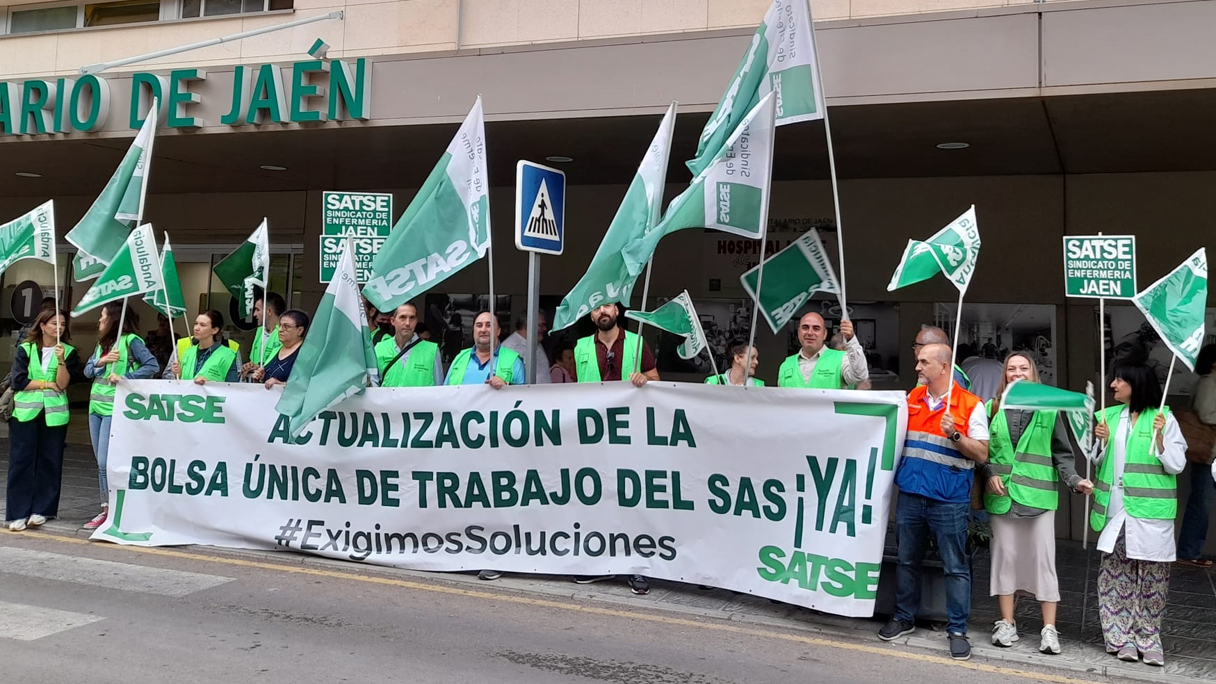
(1131, 600)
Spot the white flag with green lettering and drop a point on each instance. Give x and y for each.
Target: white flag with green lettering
(134, 270)
(794, 274)
(678, 317)
(1078, 408)
(31, 236)
(1175, 306)
(247, 269)
(953, 251)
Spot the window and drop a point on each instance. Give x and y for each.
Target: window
(70, 16)
(124, 12)
(218, 8)
(47, 19)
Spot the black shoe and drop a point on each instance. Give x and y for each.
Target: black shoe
(960, 647)
(489, 575)
(639, 585)
(895, 629)
(591, 579)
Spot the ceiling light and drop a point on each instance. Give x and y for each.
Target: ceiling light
(559, 159)
(272, 167)
(953, 146)
(28, 174)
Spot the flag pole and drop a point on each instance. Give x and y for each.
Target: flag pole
(122, 321)
(827, 132)
(656, 211)
(958, 327)
(1165, 393)
(637, 366)
(58, 308)
(768, 194)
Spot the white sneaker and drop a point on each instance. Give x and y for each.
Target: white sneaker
(17, 525)
(1049, 640)
(1004, 634)
(36, 520)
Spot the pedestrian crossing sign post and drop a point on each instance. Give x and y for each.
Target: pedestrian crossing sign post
(540, 208)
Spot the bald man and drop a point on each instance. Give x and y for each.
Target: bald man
(819, 367)
(935, 476)
(931, 334)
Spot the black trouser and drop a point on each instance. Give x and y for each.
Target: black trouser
(35, 468)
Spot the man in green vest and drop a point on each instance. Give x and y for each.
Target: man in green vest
(611, 354)
(486, 362)
(816, 366)
(404, 359)
(266, 342)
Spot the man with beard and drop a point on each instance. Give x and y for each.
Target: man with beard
(611, 353)
(486, 362)
(406, 360)
(817, 366)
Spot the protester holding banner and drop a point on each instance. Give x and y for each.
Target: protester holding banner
(266, 342)
(935, 477)
(611, 354)
(742, 370)
(1135, 503)
(1199, 429)
(118, 356)
(1028, 454)
(404, 359)
(43, 367)
(486, 362)
(207, 358)
(293, 328)
(816, 366)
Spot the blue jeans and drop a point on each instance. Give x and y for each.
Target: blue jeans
(917, 517)
(99, 430)
(1195, 520)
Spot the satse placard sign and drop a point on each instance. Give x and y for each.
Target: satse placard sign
(1100, 266)
(366, 218)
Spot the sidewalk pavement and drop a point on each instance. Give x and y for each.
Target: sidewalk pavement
(1189, 628)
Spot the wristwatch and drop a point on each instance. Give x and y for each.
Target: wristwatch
(956, 437)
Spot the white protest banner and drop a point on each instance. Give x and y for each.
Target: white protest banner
(570, 480)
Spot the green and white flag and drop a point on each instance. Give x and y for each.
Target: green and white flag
(794, 274)
(1175, 305)
(169, 299)
(607, 279)
(336, 360)
(445, 228)
(731, 194)
(781, 60)
(1078, 408)
(105, 226)
(953, 251)
(134, 270)
(677, 317)
(31, 236)
(247, 268)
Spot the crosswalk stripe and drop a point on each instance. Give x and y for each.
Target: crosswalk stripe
(105, 574)
(27, 623)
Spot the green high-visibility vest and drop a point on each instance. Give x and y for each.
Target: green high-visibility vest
(721, 379)
(1027, 471)
(416, 369)
(827, 373)
(273, 345)
(504, 368)
(587, 364)
(1149, 493)
(27, 404)
(101, 396)
(215, 369)
(184, 343)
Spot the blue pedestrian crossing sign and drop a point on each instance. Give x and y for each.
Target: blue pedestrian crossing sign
(540, 208)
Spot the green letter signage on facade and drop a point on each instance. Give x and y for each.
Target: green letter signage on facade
(180, 98)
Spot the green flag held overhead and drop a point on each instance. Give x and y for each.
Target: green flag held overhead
(445, 228)
(794, 274)
(168, 300)
(1077, 408)
(731, 194)
(607, 279)
(337, 359)
(120, 206)
(953, 251)
(677, 317)
(134, 270)
(781, 60)
(31, 236)
(1174, 306)
(246, 268)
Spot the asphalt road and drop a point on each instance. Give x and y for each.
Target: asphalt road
(74, 611)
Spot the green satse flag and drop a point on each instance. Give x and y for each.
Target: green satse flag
(607, 279)
(791, 276)
(731, 194)
(246, 269)
(31, 236)
(780, 59)
(1078, 408)
(120, 206)
(677, 317)
(134, 270)
(1174, 306)
(169, 299)
(953, 251)
(445, 228)
(336, 360)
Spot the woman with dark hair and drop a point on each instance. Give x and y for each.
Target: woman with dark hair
(43, 367)
(1199, 428)
(1028, 455)
(1135, 503)
(293, 326)
(742, 370)
(116, 358)
(208, 358)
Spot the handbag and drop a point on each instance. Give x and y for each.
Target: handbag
(1200, 437)
(6, 399)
